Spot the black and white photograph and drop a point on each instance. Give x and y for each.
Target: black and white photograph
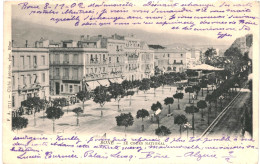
(162, 70)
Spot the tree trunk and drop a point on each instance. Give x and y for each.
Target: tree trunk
(142, 124)
(178, 104)
(169, 110)
(154, 93)
(118, 105)
(83, 107)
(101, 113)
(53, 125)
(180, 130)
(34, 118)
(158, 121)
(77, 119)
(125, 131)
(202, 92)
(189, 97)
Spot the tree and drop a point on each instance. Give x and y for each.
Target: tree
(145, 86)
(142, 113)
(101, 96)
(125, 119)
(83, 96)
(196, 88)
(34, 104)
(203, 84)
(202, 105)
(162, 131)
(168, 101)
(77, 111)
(117, 92)
(211, 52)
(54, 113)
(154, 108)
(178, 96)
(192, 110)
(180, 120)
(130, 93)
(189, 90)
(19, 123)
(155, 85)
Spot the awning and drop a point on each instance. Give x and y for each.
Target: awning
(104, 82)
(206, 67)
(119, 80)
(112, 81)
(92, 84)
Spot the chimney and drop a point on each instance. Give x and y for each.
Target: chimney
(81, 37)
(26, 43)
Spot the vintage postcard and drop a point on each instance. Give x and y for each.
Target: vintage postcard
(112, 81)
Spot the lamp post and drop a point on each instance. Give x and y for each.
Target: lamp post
(221, 98)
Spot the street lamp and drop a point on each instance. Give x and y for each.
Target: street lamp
(187, 126)
(221, 98)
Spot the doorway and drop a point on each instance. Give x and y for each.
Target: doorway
(57, 87)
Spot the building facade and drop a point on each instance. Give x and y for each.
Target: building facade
(170, 60)
(30, 74)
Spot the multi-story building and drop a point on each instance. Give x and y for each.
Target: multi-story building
(132, 62)
(170, 60)
(146, 61)
(30, 74)
(71, 69)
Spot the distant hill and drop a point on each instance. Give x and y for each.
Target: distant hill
(22, 31)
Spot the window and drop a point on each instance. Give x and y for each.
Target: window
(181, 61)
(96, 58)
(29, 60)
(22, 60)
(174, 61)
(34, 60)
(13, 81)
(75, 58)
(57, 71)
(75, 73)
(43, 60)
(117, 59)
(13, 61)
(61, 88)
(181, 55)
(66, 72)
(95, 70)
(71, 88)
(43, 77)
(57, 58)
(34, 78)
(168, 55)
(30, 79)
(109, 59)
(91, 70)
(104, 57)
(13, 101)
(104, 69)
(66, 58)
(87, 71)
(91, 58)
